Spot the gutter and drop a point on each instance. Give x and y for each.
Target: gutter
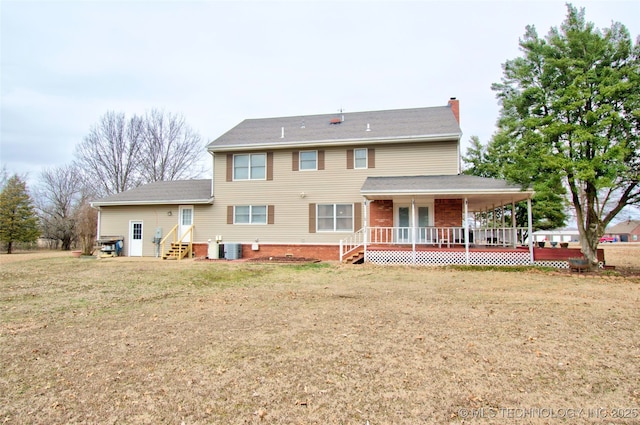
(445, 192)
(155, 202)
(340, 142)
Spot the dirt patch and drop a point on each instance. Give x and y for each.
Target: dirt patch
(284, 260)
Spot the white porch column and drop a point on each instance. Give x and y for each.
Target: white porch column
(365, 213)
(530, 228)
(503, 231)
(413, 231)
(514, 224)
(466, 230)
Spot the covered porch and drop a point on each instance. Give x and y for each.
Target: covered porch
(439, 220)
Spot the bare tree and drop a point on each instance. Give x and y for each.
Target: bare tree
(119, 154)
(86, 226)
(171, 149)
(60, 193)
(109, 156)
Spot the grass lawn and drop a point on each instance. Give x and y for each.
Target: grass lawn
(145, 341)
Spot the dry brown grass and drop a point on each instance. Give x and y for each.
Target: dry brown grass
(147, 341)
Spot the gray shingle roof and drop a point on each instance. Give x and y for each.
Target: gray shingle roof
(401, 124)
(481, 193)
(166, 192)
(453, 184)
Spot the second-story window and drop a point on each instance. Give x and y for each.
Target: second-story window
(308, 160)
(250, 166)
(360, 158)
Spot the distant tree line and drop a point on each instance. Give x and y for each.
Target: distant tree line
(117, 154)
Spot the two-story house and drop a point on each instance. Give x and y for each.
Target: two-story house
(379, 186)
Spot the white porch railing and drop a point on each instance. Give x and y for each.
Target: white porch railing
(434, 236)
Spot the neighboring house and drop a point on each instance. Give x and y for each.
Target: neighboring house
(380, 186)
(557, 235)
(625, 231)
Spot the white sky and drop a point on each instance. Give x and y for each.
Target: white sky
(64, 64)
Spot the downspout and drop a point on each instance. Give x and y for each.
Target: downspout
(530, 229)
(98, 221)
(466, 230)
(413, 231)
(213, 172)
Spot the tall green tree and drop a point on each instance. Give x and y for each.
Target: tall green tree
(571, 107)
(18, 220)
(495, 160)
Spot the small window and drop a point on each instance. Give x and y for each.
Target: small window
(249, 166)
(137, 231)
(250, 214)
(309, 160)
(360, 158)
(335, 218)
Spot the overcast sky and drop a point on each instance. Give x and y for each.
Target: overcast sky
(64, 64)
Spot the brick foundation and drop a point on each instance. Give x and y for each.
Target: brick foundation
(200, 249)
(320, 252)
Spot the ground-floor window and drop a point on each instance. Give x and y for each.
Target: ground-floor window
(335, 217)
(250, 214)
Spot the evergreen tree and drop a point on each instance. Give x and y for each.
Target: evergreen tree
(570, 109)
(18, 220)
(494, 160)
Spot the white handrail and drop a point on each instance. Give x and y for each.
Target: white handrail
(434, 236)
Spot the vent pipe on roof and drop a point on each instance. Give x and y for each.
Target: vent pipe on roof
(368, 127)
(282, 135)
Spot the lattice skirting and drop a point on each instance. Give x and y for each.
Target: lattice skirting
(431, 258)
(559, 264)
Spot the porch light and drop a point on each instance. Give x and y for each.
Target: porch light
(169, 213)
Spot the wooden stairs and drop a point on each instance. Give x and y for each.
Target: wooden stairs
(356, 257)
(177, 251)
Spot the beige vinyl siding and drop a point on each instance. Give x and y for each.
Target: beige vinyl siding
(115, 221)
(291, 192)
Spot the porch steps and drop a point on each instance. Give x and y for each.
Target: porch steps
(356, 257)
(174, 253)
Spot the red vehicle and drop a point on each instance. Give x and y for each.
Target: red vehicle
(609, 239)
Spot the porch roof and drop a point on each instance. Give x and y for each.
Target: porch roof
(162, 193)
(481, 192)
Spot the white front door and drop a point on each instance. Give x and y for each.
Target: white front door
(135, 239)
(185, 221)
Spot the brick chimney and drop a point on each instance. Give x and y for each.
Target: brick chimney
(454, 104)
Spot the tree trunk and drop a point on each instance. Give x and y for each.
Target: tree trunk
(9, 245)
(590, 252)
(66, 244)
